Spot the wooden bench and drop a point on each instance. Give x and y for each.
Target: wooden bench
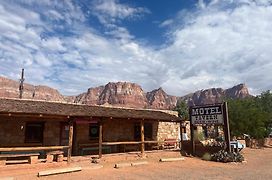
(51, 154)
(170, 143)
(32, 157)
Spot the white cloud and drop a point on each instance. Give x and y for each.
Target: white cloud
(66, 10)
(53, 44)
(201, 4)
(54, 15)
(166, 23)
(230, 46)
(111, 11)
(215, 46)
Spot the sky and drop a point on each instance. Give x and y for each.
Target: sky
(179, 45)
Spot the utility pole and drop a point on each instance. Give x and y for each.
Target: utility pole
(34, 92)
(21, 86)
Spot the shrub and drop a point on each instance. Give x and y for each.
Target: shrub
(224, 156)
(206, 157)
(199, 136)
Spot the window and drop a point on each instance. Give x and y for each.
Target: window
(94, 131)
(147, 131)
(34, 132)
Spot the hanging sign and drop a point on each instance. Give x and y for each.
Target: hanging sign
(84, 121)
(207, 115)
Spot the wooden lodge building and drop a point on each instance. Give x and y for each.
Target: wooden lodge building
(40, 126)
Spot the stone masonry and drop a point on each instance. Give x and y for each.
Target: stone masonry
(168, 130)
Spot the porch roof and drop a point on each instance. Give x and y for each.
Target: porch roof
(29, 107)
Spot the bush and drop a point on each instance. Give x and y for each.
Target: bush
(199, 136)
(224, 156)
(206, 157)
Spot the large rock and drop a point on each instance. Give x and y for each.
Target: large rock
(158, 99)
(10, 89)
(216, 95)
(124, 94)
(239, 91)
(91, 97)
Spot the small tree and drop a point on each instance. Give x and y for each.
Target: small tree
(247, 117)
(183, 110)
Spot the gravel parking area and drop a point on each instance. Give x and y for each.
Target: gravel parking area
(258, 166)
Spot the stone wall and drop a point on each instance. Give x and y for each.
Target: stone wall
(168, 130)
(12, 131)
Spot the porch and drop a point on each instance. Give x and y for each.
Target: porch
(39, 126)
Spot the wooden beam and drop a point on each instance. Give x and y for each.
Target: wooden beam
(192, 139)
(75, 144)
(70, 142)
(142, 137)
(139, 163)
(15, 149)
(123, 142)
(181, 133)
(192, 133)
(100, 139)
(171, 159)
(59, 171)
(226, 126)
(119, 143)
(35, 115)
(153, 142)
(67, 116)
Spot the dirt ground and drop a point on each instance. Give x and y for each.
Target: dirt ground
(258, 166)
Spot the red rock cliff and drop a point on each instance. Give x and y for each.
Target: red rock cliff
(124, 94)
(10, 88)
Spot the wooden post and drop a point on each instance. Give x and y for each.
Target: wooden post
(142, 138)
(75, 144)
(226, 126)
(100, 139)
(192, 133)
(181, 138)
(192, 139)
(70, 144)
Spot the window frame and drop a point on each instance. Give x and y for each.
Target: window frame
(97, 133)
(28, 131)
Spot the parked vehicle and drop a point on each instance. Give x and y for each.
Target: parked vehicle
(236, 146)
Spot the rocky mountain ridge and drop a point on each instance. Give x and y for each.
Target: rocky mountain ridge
(123, 94)
(10, 88)
(216, 95)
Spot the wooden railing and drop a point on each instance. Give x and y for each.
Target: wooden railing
(40, 148)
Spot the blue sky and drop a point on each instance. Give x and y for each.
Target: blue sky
(179, 45)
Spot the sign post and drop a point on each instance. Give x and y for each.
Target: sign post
(192, 132)
(209, 115)
(226, 126)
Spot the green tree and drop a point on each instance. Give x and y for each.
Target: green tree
(247, 116)
(183, 110)
(264, 101)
